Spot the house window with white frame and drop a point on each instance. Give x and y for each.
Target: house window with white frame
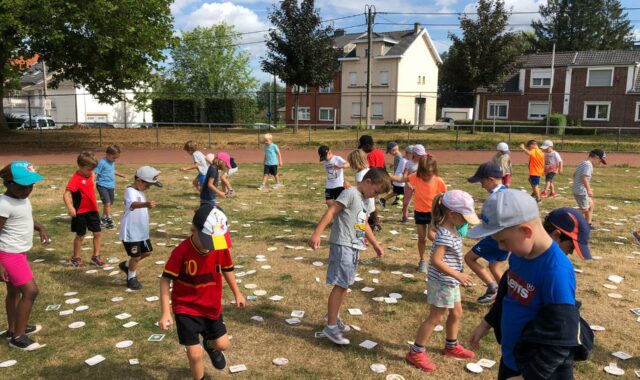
(327, 89)
(637, 117)
(355, 109)
(498, 109)
(377, 110)
(597, 111)
(325, 114)
(600, 77)
(384, 78)
(353, 79)
(303, 114)
(538, 110)
(540, 78)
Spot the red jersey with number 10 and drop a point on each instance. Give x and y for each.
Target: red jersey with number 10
(197, 280)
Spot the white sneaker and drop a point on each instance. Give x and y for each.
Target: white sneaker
(277, 186)
(261, 187)
(341, 325)
(334, 335)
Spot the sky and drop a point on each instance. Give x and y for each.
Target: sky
(252, 16)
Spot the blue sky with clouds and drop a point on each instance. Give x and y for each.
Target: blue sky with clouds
(251, 16)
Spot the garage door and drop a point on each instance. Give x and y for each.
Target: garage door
(456, 115)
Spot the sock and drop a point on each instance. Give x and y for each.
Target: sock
(131, 275)
(416, 348)
(451, 343)
(493, 287)
(332, 326)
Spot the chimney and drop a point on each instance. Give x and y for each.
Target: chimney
(338, 32)
(416, 27)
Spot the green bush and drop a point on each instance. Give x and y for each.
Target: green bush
(12, 121)
(174, 111)
(556, 120)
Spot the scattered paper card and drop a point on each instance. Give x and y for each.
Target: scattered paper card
(152, 299)
(367, 289)
(156, 337)
(123, 316)
(474, 368)
(297, 313)
(130, 324)
(257, 318)
(66, 312)
(378, 368)
(293, 321)
(355, 311)
(486, 363)
(636, 311)
(8, 363)
(613, 369)
(124, 344)
(237, 368)
(390, 300)
(276, 298)
(52, 307)
(319, 334)
(95, 360)
(280, 361)
(368, 344)
(134, 361)
(622, 355)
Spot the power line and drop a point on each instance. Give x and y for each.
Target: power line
(474, 13)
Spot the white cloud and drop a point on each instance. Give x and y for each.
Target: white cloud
(519, 21)
(242, 18)
(179, 5)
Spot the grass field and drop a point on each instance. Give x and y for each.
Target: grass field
(284, 219)
(73, 140)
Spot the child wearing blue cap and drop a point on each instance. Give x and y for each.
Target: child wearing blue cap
(16, 239)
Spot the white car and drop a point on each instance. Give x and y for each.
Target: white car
(264, 126)
(38, 122)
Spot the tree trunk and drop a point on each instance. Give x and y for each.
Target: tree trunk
(3, 122)
(295, 114)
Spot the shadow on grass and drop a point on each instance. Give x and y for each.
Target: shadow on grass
(110, 370)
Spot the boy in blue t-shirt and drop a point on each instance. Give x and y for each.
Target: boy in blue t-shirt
(539, 292)
(272, 159)
(106, 183)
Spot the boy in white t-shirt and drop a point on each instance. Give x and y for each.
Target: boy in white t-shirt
(134, 226)
(399, 163)
(334, 165)
(199, 162)
(552, 166)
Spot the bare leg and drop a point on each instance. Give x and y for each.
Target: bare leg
(77, 245)
(25, 305)
(134, 261)
(497, 270)
(330, 202)
(453, 321)
(196, 364)
(335, 301)
(471, 259)
(426, 327)
(11, 305)
(422, 240)
(97, 237)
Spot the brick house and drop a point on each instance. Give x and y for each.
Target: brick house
(599, 88)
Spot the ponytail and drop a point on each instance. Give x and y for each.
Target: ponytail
(438, 210)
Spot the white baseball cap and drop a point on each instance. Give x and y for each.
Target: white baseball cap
(504, 209)
(461, 202)
(546, 144)
(149, 175)
(503, 147)
(419, 150)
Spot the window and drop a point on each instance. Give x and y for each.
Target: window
(637, 118)
(600, 77)
(384, 78)
(540, 78)
(326, 114)
(353, 79)
(424, 79)
(498, 109)
(538, 110)
(597, 111)
(303, 89)
(376, 109)
(327, 89)
(303, 114)
(355, 109)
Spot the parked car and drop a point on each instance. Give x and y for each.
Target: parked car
(442, 123)
(140, 125)
(38, 122)
(264, 126)
(98, 124)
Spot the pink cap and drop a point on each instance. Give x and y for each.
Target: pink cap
(461, 202)
(225, 158)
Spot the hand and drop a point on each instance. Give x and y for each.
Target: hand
(465, 279)
(379, 250)
(151, 204)
(165, 322)
(477, 334)
(314, 242)
(72, 213)
(4, 276)
(590, 193)
(241, 302)
(522, 146)
(184, 169)
(44, 236)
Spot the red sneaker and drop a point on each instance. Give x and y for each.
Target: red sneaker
(459, 352)
(420, 360)
(553, 195)
(543, 194)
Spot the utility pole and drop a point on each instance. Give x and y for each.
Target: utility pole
(370, 13)
(44, 76)
(553, 69)
(275, 93)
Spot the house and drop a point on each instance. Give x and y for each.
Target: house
(404, 81)
(597, 88)
(68, 104)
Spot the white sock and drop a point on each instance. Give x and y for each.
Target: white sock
(131, 275)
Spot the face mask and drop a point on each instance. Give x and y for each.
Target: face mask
(463, 229)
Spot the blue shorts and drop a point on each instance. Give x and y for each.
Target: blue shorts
(549, 177)
(534, 180)
(201, 178)
(343, 262)
(489, 250)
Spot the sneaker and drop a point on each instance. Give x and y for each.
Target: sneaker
(543, 194)
(383, 202)
(396, 202)
(636, 236)
(335, 335)
(218, 359)
(97, 261)
(488, 297)
(109, 224)
(30, 329)
(277, 186)
(422, 266)
(134, 284)
(123, 267)
(24, 343)
(421, 360)
(377, 227)
(553, 195)
(405, 220)
(229, 193)
(341, 325)
(459, 352)
(103, 220)
(261, 187)
(76, 262)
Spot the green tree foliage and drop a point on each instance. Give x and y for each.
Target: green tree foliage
(262, 97)
(105, 45)
(576, 25)
(451, 93)
(300, 49)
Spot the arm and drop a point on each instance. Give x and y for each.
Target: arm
(148, 204)
(279, 158)
(437, 260)
(225, 181)
(346, 184)
(120, 174)
(165, 321)
(522, 147)
(314, 240)
(372, 239)
(194, 166)
(587, 185)
(560, 167)
(44, 236)
(4, 276)
(69, 203)
(213, 188)
(230, 278)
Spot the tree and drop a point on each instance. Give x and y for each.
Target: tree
(486, 53)
(301, 51)
(582, 25)
(107, 46)
(268, 91)
(450, 92)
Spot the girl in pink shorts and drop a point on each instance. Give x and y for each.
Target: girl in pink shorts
(16, 238)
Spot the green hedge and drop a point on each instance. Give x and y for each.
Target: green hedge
(231, 111)
(174, 111)
(216, 110)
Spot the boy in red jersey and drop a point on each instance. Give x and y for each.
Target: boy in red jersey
(196, 267)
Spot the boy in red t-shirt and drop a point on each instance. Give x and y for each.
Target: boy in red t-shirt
(196, 267)
(80, 199)
(375, 157)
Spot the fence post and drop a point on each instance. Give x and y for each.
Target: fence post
(309, 140)
(562, 139)
(509, 134)
(209, 135)
(100, 133)
(157, 135)
(457, 135)
(618, 141)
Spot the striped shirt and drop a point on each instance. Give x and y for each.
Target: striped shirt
(584, 169)
(452, 256)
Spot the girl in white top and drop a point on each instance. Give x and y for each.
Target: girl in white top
(199, 162)
(357, 159)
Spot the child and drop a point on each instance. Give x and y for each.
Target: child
(535, 315)
(349, 230)
(196, 268)
(489, 175)
(334, 165)
(374, 155)
(410, 167)
(80, 199)
(199, 162)
(399, 163)
(210, 190)
(552, 166)
(230, 169)
(536, 166)
(427, 185)
(582, 182)
(503, 159)
(16, 239)
(106, 183)
(451, 210)
(134, 227)
(272, 159)
(357, 159)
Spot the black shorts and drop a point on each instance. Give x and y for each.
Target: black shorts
(189, 327)
(549, 177)
(398, 190)
(333, 193)
(271, 170)
(107, 196)
(137, 248)
(85, 221)
(422, 218)
(505, 372)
